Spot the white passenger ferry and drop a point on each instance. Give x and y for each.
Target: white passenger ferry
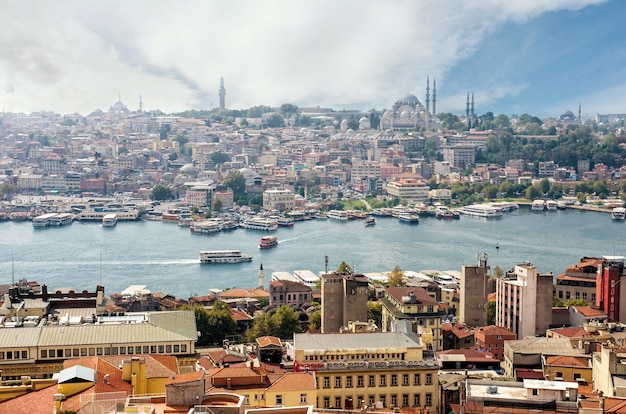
(618, 213)
(223, 256)
(538, 205)
(257, 223)
(206, 226)
(551, 205)
(337, 215)
(43, 220)
(481, 210)
(109, 220)
(61, 219)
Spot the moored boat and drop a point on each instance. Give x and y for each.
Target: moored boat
(267, 242)
(370, 221)
(618, 213)
(538, 205)
(410, 218)
(337, 215)
(285, 222)
(481, 210)
(262, 224)
(205, 227)
(223, 256)
(109, 220)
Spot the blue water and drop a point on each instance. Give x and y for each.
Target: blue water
(164, 256)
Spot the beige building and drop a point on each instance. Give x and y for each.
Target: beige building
(282, 200)
(473, 293)
(408, 189)
(460, 155)
(415, 306)
(524, 301)
(378, 370)
(344, 299)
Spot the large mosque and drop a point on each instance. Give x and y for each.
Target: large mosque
(408, 114)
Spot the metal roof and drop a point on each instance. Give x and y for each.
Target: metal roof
(377, 342)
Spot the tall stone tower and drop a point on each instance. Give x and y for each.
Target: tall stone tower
(261, 277)
(344, 299)
(222, 93)
(473, 293)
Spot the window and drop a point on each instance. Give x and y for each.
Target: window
(394, 400)
(394, 381)
(279, 399)
(349, 382)
(405, 400)
(593, 298)
(560, 294)
(168, 348)
(429, 400)
(44, 354)
(302, 398)
(145, 349)
(337, 382)
(417, 379)
(383, 380)
(535, 391)
(337, 402)
(83, 352)
(153, 349)
(176, 348)
(576, 375)
(360, 401)
(383, 400)
(247, 399)
(161, 349)
(577, 295)
(370, 400)
(429, 380)
(122, 350)
(326, 382)
(359, 381)
(372, 381)
(584, 296)
(326, 402)
(405, 380)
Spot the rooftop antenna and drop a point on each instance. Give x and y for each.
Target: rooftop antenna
(326, 264)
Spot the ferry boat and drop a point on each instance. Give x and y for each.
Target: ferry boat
(410, 218)
(109, 220)
(481, 210)
(618, 213)
(538, 205)
(223, 256)
(43, 220)
(267, 242)
(370, 221)
(337, 215)
(205, 227)
(321, 216)
(285, 222)
(262, 224)
(229, 225)
(444, 213)
(551, 205)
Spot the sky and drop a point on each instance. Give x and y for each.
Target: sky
(515, 56)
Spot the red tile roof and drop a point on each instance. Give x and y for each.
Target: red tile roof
(264, 341)
(568, 361)
(589, 311)
(188, 377)
(41, 401)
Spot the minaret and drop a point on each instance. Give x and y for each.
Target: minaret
(434, 97)
(222, 93)
(261, 277)
(140, 104)
(427, 103)
(580, 121)
(467, 113)
(472, 109)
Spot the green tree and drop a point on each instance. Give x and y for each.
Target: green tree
(160, 192)
(263, 326)
(545, 185)
(344, 268)
(220, 323)
(353, 123)
(236, 182)
(287, 110)
(219, 157)
(173, 156)
(274, 121)
(396, 277)
(375, 312)
(315, 321)
(532, 192)
(182, 139)
(7, 191)
(217, 205)
(491, 313)
(286, 322)
(498, 271)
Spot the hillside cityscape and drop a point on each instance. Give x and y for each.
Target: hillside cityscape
(478, 340)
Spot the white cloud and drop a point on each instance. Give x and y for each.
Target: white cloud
(77, 56)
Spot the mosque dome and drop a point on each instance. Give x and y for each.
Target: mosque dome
(363, 119)
(567, 116)
(408, 100)
(188, 169)
(247, 172)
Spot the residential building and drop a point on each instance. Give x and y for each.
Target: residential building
(279, 199)
(491, 338)
(344, 299)
(461, 156)
(467, 359)
(473, 293)
(524, 301)
(457, 336)
(609, 370)
(579, 281)
(568, 368)
(415, 306)
(360, 370)
(525, 354)
(287, 292)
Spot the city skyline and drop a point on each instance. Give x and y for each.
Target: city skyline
(515, 57)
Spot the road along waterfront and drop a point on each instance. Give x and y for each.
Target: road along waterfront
(164, 256)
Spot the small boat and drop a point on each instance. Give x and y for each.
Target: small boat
(267, 242)
(285, 222)
(109, 220)
(321, 216)
(497, 246)
(370, 221)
